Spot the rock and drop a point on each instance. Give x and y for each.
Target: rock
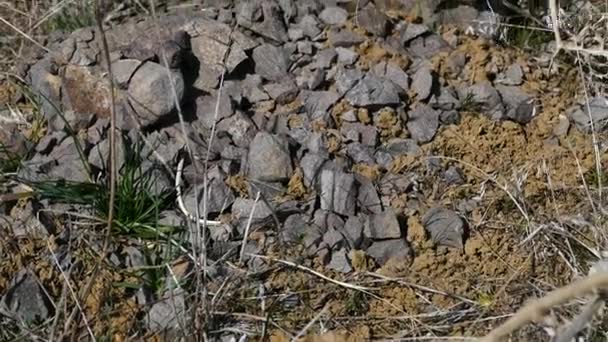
(360, 153)
(394, 73)
(413, 31)
(319, 101)
(168, 312)
(344, 38)
(513, 76)
(311, 163)
(339, 261)
(332, 15)
(151, 92)
(248, 14)
(219, 196)
(346, 56)
(393, 249)
(447, 100)
(207, 105)
(426, 47)
(594, 117)
(26, 300)
(269, 158)
(325, 58)
(297, 229)
(422, 83)
(423, 123)
(241, 128)
(123, 70)
(271, 62)
(215, 54)
(346, 79)
(373, 21)
(453, 176)
(338, 192)
(67, 163)
(98, 156)
(282, 92)
(243, 209)
(383, 225)
(445, 227)
(305, 48)
(520, 107)
(332, 237)
(484, 98)
(373, 91)
(31, 222)
(455, 63)
(562, 126)
(353, 231)
(310, 26)
(367, 198)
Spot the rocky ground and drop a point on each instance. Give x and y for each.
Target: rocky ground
(368, 170)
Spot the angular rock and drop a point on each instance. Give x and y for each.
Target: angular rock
(325, 58)
(346, 79)
(271, 62)
(422, 83)
(453, 176)
(393, 249)
(367, 198)
(423, 123)
(333, 15)
(151, 92)
(592, 118)
(248, 14)
(26, 300)
(219, 197)
(360, 153)
(241, 128)
(123, 70)
(428, 46)
(309, 26)
(346, 56)
(520, 107)
(318, 101)
(353, 231)
(412, 31)
(483, 97)
(339, 261)
(344, 38)
(373, 21)
(338, 192)
(513, 76)
(383, 225)
(297, 229)
(445, 227)
(168, 312)
(282, 92)
(373, 91)
(206, 109)
(393, 73)
(269, 158)
(311, 165)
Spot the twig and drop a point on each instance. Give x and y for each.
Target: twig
(536, 310)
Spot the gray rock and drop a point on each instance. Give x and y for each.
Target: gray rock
(338, 192)
(453, 176)
(151, 92)
(562, 126)
(305, 48)
(282, 92)
(219, 197)
(383, 225)
(344, 38)
(445, 227)
(422, 83)
(30, 222)
(215, 53)
(44, 81)
(353, 231)
(311, 165)
(413, 31)
(426, 47)
(310, 26)
(243, 208)
(297, 229)
(373, 91)
(295, 34)
(360, 153)
(241, 128)
(67, 163)
(169, 312)
(26, 300)
(332, 237)
(248, 14)
(483, 97)
(449, 117)
(269, 158)
(333, 15)
(206, 109)
(393, 249)
(513, 76)
(393, 73)
(594, 117)
(346, 56)
(46, 144)
(520, 107)
(319, 101)
(325, 58)
(373, 21)
(447, 100)
(367, 198)
(271, 62)
(315, 79)
(270, 190)
(123, 70)
(423, 123)
(339, 261)
(346, 79)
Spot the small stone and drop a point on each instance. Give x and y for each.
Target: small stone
(393, 249)
(206, 107)
(271, 62)
(123, 70)
(25, 299)
(269, 158)
(423, 123)
(373, 91)
(219, 197)
(384, 225)
(373, 21)
(249, 13)
(332, 15)
(520, 107)
(422, 83)
(168, 312)
(344, 38)
(562, 126)
(325, 58)
(394, 73)
(425, 47)
(295, 34)
(311, 164)
(367, 198)
(338, 192)
(332, 237)
(594, 116)
(484, 98)
(319, 101)
(297, 229)
(305, 48)
(310, 26)
(453, 176)
(339, 261)
(282, 92)
(513, 76)
(445, 227)
(346, 56)
(413, 31)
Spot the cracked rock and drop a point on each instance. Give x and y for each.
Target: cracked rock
(445, 227)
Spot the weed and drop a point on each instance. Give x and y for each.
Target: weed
(356, 304)
(469, 104)
(9, 161)
(78, 14)
(592, 177)
(521, 34)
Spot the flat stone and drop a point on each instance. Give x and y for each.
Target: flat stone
(206, 109)
(346, 56)
(353, 231)
(151, 92)
(373, 91)
(339, 261)
(383, 225)
(344, 38)
(325, 58)
(513, 76)
(373, 21)
(422, 83)
(311, 165)
(385, 250)
(367, 197)
(595, 116)
(282, 92)
(333, 15)
(338, 192)
(445, 226)
(485, 98)
(319, 101)
(168, 312)
(360, 153)
(269, 158)
(25, 299)
(297, 229)
(220, 196)
(271, 62)
(240, 127)
(520, 106)
(310, 26)
(423, 123)
(249, 13)
(426, 47)
(123, 70)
